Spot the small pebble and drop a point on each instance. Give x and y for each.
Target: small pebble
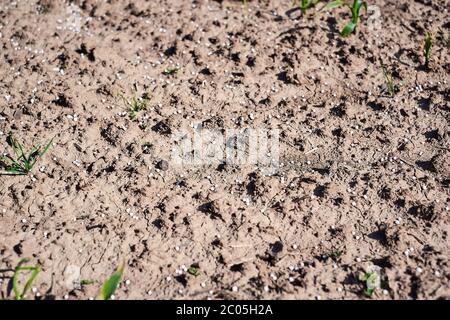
(163, 165)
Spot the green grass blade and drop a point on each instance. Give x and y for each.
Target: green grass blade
(370, 279)
(307, 4)
(47, 147)
(7, 160)
(14, 146)
(11, 166)
(12, 172)
(18, 151)
(356, 8)
(17, 270)
(368, 292)
(31, 158)
(304, 4)
(390, 85)
(333, 4)
(34, 149)
(170, 70)
(86, 282)
(15, 285)
(23, 163)
(34, 273)
(111, 284)
(348, 29)
(30, 165)
(22, 153)
(194, 271)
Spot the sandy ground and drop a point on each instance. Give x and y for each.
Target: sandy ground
(363, 177)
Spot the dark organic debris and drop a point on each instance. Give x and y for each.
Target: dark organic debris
(276, 248)
(170, 51)
(212, 209)
(423, 212)
(162, 128)
(61, 100)
(88, 53)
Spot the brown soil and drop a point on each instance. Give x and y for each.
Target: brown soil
(364, 176)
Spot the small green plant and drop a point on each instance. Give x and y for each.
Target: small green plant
(333, 4)
(110, 285)
(135, 105)
(307, 4)
(19, 269)
(24, 161)
(391, 87)
(86, 282)
(170, 70)
(427, 48)
(371, 283)
(194, 271)
(355, 8)
(335, 254)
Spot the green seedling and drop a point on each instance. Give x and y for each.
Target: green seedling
(86, 282)
(110, 285)
(391, 87)
(355, 8)
(333, 4)
(19, 269)
(371, 281)
(306, 4)
(194, 271)
(170, 70)
(335, 254)
(135, 105)
(427, 48)
(24, 161)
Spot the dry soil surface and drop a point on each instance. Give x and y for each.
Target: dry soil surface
(362, 184)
